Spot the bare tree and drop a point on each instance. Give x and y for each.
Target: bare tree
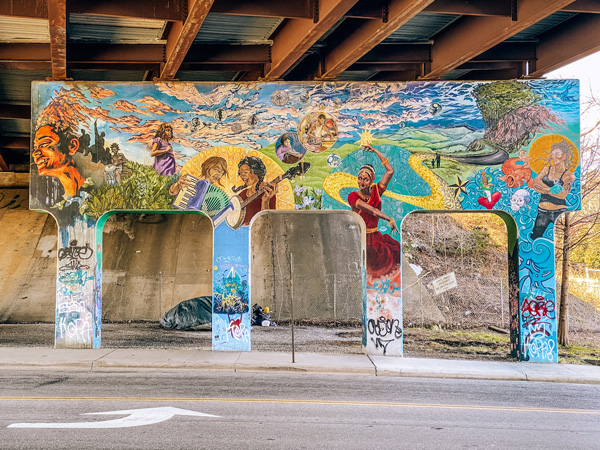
(580, 228)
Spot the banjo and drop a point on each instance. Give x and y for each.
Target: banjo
(235, 212)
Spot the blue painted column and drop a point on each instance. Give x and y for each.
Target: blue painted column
(538, 314)
(231, 318)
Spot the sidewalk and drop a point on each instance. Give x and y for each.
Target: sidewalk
(27, 358)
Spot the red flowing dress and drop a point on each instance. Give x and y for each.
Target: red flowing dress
(383, 251)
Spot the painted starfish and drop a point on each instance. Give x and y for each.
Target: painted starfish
(460, 187)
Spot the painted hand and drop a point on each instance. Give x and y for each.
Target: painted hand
(368, 148)
(556, 189)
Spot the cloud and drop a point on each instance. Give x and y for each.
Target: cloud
(98, 92)
(124, 105)
(156, 106)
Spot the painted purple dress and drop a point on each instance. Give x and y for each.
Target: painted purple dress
(164, 164)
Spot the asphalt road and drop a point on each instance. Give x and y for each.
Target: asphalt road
(275, 410)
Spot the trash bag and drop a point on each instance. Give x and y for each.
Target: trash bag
(259, 316)
(188, 314)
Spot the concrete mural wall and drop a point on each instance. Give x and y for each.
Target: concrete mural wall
(381, 150)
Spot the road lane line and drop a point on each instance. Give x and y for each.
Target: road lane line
(304, 402)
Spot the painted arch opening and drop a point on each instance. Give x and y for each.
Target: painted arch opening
(315, 260)
(151, 263)
(456, 276)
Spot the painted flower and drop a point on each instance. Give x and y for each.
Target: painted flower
(306, 201)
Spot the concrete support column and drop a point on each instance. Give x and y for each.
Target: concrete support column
(232, 312)
(532, 294)
(537, 301)
(77, 322)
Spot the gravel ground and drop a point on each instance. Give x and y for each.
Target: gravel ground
(478, 344)
(150, 335)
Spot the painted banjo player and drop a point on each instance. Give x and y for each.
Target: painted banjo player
(383, 251)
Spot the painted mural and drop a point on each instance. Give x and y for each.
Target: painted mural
(232, 150)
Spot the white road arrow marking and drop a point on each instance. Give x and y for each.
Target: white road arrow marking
(136, 418)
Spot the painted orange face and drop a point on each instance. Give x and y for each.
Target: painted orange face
(46, 154)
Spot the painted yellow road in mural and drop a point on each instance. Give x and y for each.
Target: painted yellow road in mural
(440, 198)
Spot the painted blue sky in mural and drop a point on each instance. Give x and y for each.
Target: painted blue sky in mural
(255, 115)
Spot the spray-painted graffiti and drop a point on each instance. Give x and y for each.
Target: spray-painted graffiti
(74, 254)
(386, 330)
(238, 330)
(539, 343)
(537, 310)
(381, 344)
(539, 327)
(75, 280)
(382, 150)
(231, 296)
(74, 321)
(384, 327)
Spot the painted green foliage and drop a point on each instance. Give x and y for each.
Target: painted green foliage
(143, 189)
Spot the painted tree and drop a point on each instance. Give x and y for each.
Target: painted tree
(511, 114)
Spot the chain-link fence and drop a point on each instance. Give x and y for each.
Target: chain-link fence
(325, 298)
(585, 283)
(584, 304)
(476, 301)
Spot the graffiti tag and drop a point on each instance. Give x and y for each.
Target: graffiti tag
(381, 343)
(238, 330)
(383, 327)
(537, 310)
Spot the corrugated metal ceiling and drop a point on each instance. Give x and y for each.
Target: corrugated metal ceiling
(186, 75)
(542, 26)
(15, 85)
(18, 29)
(107, 75)
(223, 28)
(355, 75)
(421, 28)
(85, 27)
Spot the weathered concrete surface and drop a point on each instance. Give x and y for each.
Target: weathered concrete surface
(140, 252)
(27, 260)
(328, 255)
(152, 262)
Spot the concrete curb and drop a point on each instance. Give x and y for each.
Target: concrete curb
(384, 366)
(306, 362)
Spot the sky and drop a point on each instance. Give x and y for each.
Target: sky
(587, 70)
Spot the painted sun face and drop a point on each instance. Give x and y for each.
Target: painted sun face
(46, 154)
